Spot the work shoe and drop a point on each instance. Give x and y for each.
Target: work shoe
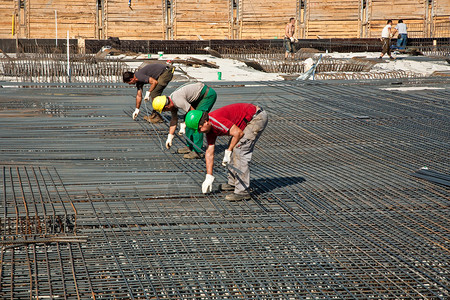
(193, 155)
(238, 197)
(184, 150)
(155, 118)
(226, 187)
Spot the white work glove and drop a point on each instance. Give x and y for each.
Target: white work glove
(226, 158)
(207, 184)
(169, 140)
(182, 129)
(292, 39)
(135, 114)
(147, 96)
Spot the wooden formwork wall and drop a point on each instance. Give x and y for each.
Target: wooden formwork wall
(441, 8)
(441, 18)
(265, 19)
(201, 19)
(220, 19)
(332, 19)
(6, 18)
(412, 12)
(76, 16)
(142, 21)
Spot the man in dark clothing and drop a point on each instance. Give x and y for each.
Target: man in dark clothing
(158, 76)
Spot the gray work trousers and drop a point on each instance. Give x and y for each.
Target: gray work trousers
(242, 153)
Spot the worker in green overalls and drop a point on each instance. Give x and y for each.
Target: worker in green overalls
(190, 96)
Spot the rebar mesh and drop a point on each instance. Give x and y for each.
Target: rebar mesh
(54, 68)
(335, 211)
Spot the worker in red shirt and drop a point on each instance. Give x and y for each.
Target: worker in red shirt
(244, 123)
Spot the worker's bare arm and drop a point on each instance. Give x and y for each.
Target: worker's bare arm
(209, 159)
(236, 134)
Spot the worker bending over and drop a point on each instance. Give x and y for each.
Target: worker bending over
(244, 123)
(187, 97)
(158, 76)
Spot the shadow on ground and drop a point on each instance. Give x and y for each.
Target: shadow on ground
(264, 185)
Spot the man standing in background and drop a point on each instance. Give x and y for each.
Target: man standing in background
(386, 35)
(402, 35)
(289, 39)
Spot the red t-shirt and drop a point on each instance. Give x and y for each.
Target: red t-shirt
(224, 118)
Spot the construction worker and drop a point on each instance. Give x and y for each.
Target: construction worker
(289, 38)
(402, 38)
(386, 35)
(187, 97)
(158, 76)
(244, 122)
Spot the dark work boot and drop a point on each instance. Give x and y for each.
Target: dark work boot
(193, 155)
(226, 187)
(238, 197)
(184, 150)
(155, 117)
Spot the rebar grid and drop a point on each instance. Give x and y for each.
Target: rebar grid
(334, 213)
(223, 46)
(274, 62)
(366, 75)
(53, 68)
(34, 202)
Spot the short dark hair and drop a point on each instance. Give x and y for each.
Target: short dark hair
(204, 118)
(389, 21)
(291, 19)
(127, 76)
(400, 21)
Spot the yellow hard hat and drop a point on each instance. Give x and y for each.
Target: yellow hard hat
(159, 103)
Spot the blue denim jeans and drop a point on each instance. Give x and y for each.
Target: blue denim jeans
(401, 41)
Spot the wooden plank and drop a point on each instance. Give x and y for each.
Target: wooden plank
(321, 10)
(42, 18)
(398, 9)
(266, 19)
(6, 13)
(143, 21)
(442, 8)
(208, 19)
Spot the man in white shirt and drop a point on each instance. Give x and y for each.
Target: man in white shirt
(386, 35)
(402, 35)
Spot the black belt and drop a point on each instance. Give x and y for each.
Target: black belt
(205, 94)
(170, 68)
(258, 111)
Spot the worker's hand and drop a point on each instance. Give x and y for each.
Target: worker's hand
(182, 129)
(147, 96)
(292, 39)
(207, 184)
(226, 158)
(135, 114)
(169, 140)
